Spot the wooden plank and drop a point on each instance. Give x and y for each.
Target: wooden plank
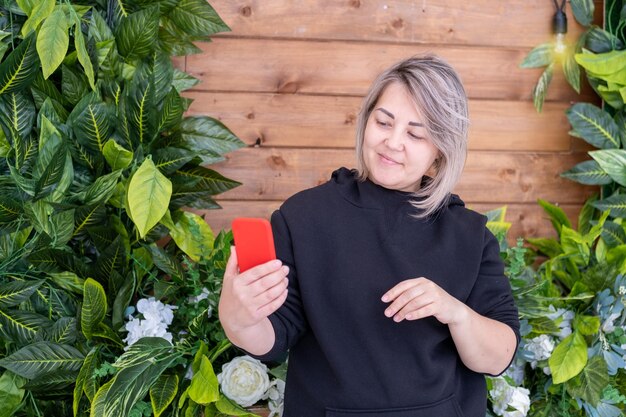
(489, 177)
(519, 23)
(329, 121)
(527, 220)
(348, 68)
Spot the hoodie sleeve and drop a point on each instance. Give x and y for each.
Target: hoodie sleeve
(491, 295)
(289, 321)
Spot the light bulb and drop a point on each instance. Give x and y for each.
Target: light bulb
(559, 43)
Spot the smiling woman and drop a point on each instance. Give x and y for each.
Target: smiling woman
(389, 294)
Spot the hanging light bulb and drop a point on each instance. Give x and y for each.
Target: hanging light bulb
(559, 27)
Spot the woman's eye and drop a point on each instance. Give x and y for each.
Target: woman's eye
(381, 123)
(413, 136)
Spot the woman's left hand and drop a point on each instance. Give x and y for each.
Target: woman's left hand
(417, 298)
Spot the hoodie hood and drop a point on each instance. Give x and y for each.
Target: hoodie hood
(367, 194)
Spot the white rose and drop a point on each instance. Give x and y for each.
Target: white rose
(276, 398)
(520, 400)
(244, 380)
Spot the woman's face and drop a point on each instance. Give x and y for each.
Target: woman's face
(396, 149)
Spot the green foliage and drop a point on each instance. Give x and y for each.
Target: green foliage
(97, 163)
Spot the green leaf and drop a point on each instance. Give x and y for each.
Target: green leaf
(593, 125)
(558, 218)
(52, 382)
(541, 88)
(587, 325)
(21, 66)
(574, 244)
(588, 172)
(206, 133)
(22, 326)
(64, 331)
(228, 407)
(603, 65)
(137, 33)
(204, 388)
(599, 40)
(616, 204)
(171, 112)
(183, 81)
(113, 258)
(140, 109)
(92, 122)
(14, 293)
(549, 247)
(122, 300)
(53, 42)
(197, 18)
(117, 156)
(168, 160)
(94, 307)
(162, 393)
(165, 262)
(193, 236)
(83, 56)
(583, 11)
(68, 281)
(39, 12)
(17, 114)
(148, 196)
(571, 71)
(201, 179)
(41, 358)
(568, 358)
(74, 84)
(593, 379)
(11, 393)
(85, 382)
(139, 368)
(613, 162)
(613, 234)
(540, 56)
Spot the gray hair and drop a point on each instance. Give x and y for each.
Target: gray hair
(441, 99)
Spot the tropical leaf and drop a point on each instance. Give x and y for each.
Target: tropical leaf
(588, 172)
(599, 40)
(17, 114)
(92, 122)
(74, 84)
(613, 234)
(53, 41)
(541, 56)
(83, 55)
(613, 162)
(113, 258)
(52, 382)
(16, 292)
(183, 81)
(10, 209)
(22, 326)
(541, 88)
(583, 11)
(206, 133)
(122, 300)
(94, 307)
(140, 108)
(54, 168)
(204, 388)
(40, 358)
(139, 368)
(172, 111)
(558, 218)
(162, 393)
(37, 14)
(148, 196)
(102, 189)
(86, 216)
(593, 379)
(116, 155)
(166, 262)
(193, 235)
(137, 33)
(64, 331)
(571, 71)
(85, 382)
(11, 393)
(170, 159)
(593, 125)
(197, 18)
(568, 358)
(21, 66)
(201, 179)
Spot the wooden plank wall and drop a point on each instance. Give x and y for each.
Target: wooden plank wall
(289, 79)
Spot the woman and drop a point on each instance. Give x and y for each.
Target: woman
(389, 294)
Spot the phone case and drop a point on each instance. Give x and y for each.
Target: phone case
(254, 242)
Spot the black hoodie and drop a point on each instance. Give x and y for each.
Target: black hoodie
(347, 242)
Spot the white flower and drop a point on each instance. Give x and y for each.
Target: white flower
(509, 401)
(244, 380)
(516, 372)
(276, 398)
(202, 296)
(157, 316)
(541, 347)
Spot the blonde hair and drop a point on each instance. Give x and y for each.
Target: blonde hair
(441, 100)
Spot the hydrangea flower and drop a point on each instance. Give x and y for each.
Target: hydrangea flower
(276, 398)
(509, 401)
(563, 318)
(541, 347)
(157, 316)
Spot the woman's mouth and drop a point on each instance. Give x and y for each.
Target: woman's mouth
(387, 160)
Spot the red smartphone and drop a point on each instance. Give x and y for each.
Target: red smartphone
(254, 242)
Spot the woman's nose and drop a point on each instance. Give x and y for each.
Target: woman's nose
(395, 141)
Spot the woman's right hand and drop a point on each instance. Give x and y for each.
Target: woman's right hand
(249, 297)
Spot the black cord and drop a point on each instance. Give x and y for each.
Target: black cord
(561, 8)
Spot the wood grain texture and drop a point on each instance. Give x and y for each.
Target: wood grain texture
(521, 23)
(292, 120)
(348, 68)
(489, 177)
(527, 220)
